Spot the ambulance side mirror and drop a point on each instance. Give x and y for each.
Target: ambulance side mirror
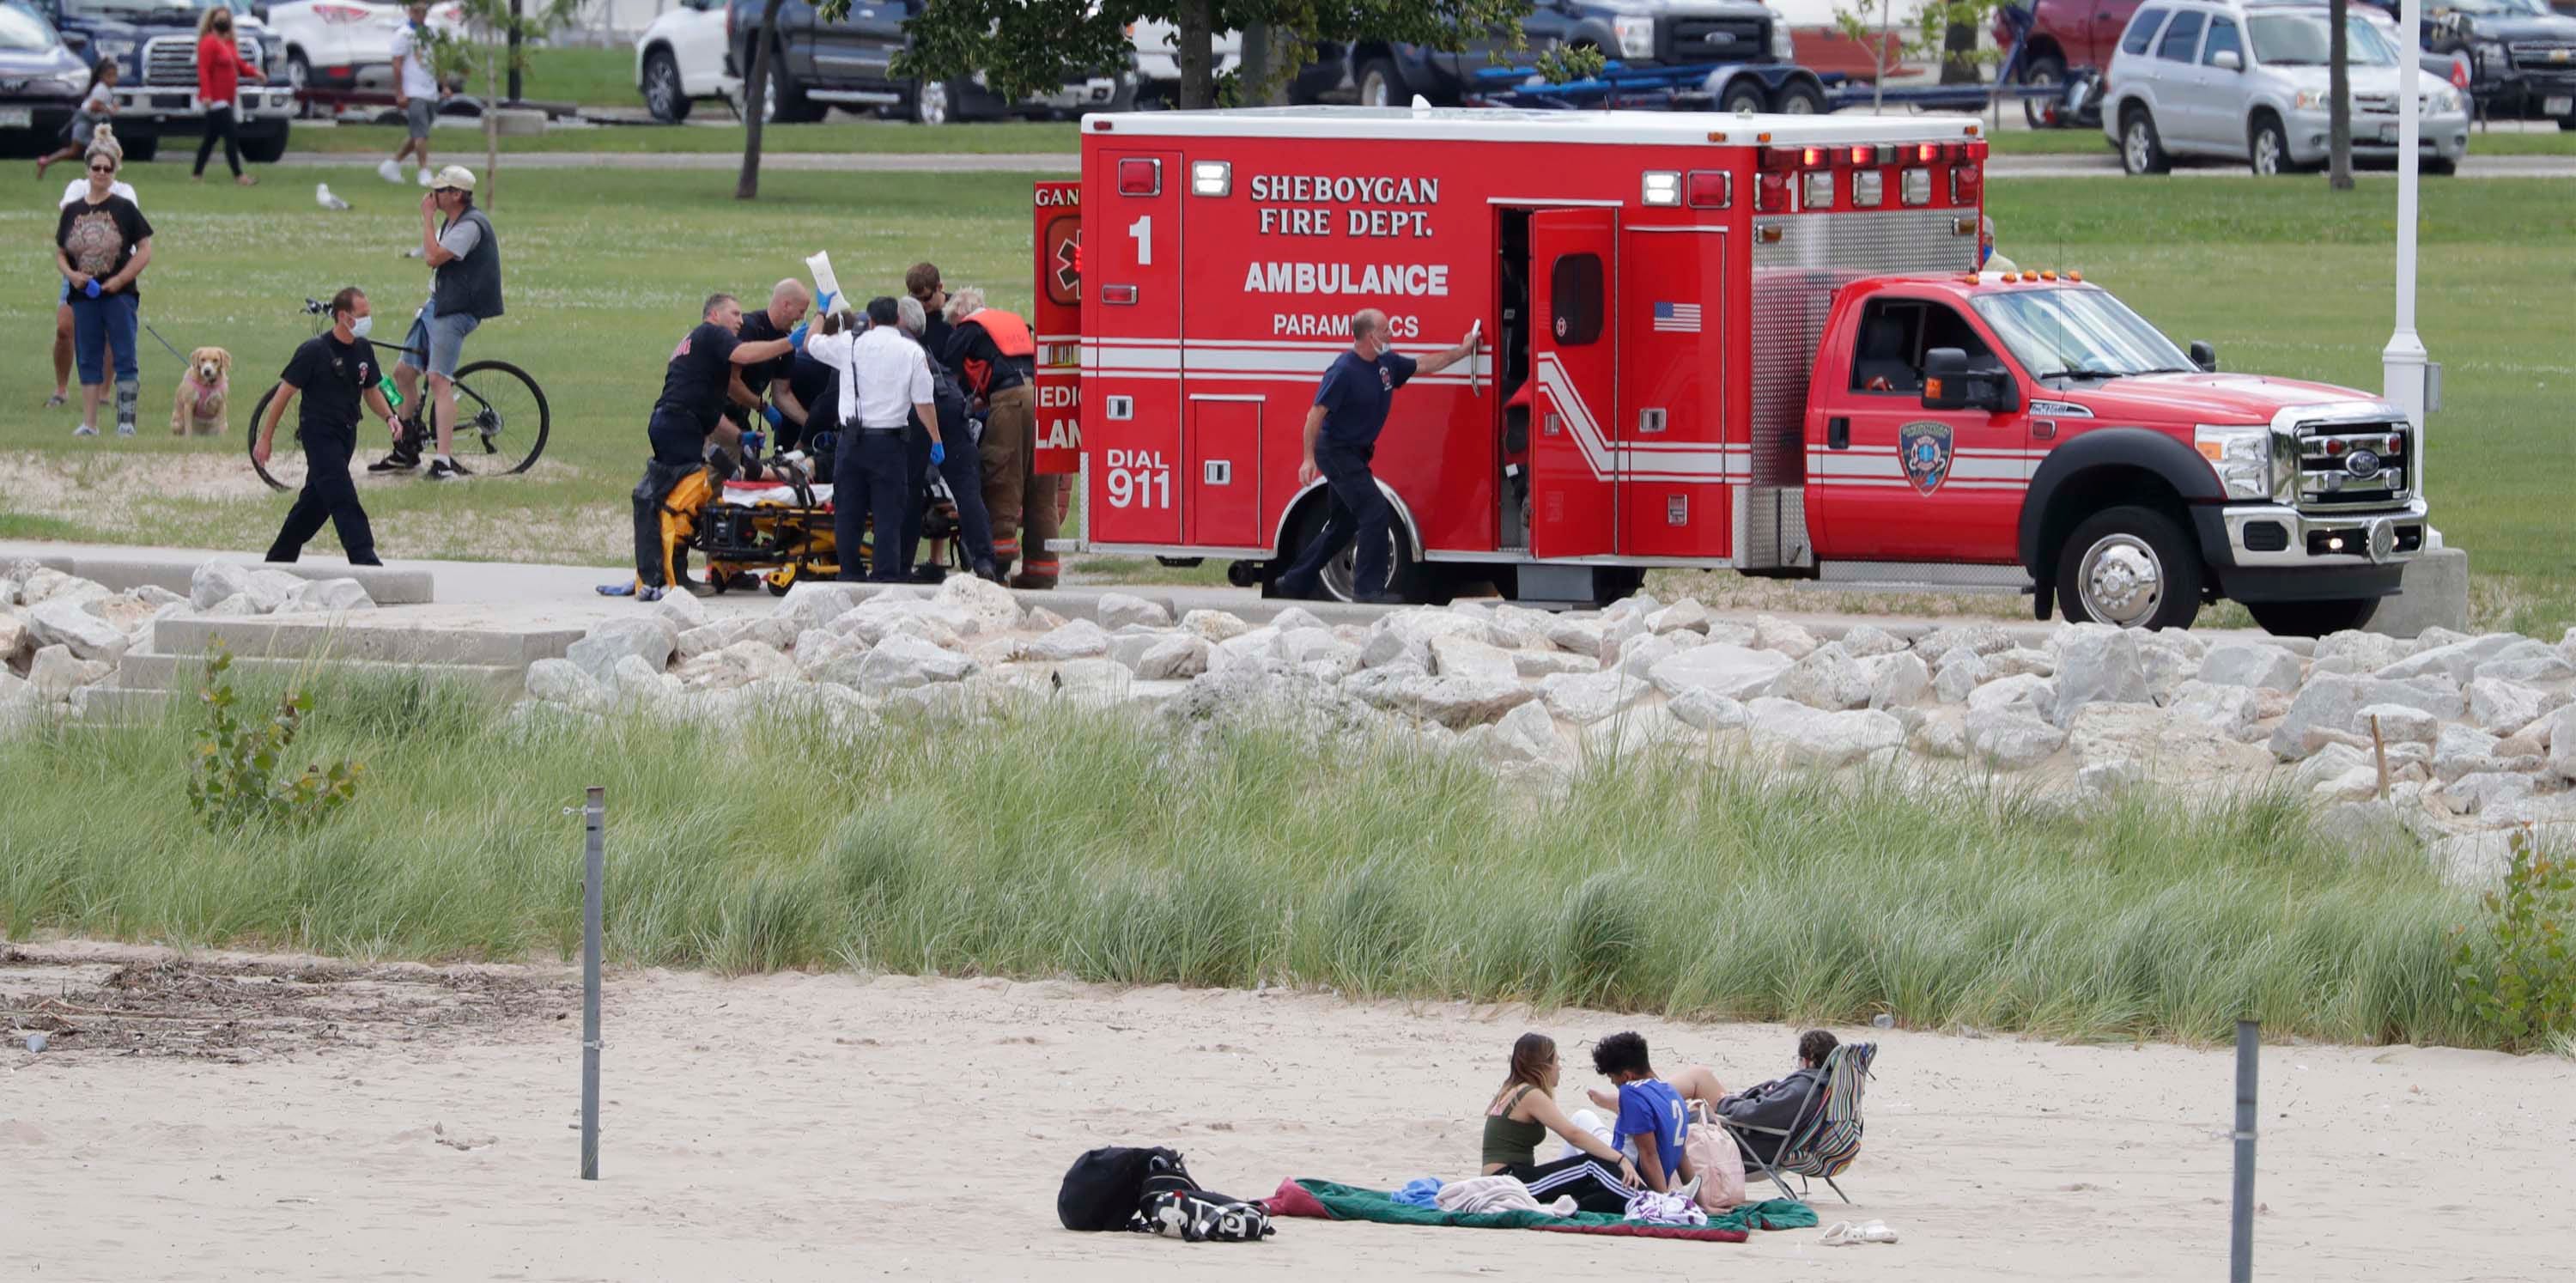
(1948, 384)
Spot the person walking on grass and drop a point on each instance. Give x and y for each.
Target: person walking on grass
(77, 191)
(97, 106)
(417, 93)
(219, 72)
(1522, 1113)
(464, 256)
(101, 246)
(334, 373)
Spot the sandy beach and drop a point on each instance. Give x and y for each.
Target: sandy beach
(225, 1116)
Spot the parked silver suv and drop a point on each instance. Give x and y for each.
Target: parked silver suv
(2248, 81)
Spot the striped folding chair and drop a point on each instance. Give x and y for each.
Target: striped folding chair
(1818, 1145)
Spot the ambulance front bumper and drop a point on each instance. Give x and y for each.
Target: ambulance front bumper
(2275, 552)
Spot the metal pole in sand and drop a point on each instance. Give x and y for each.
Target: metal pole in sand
(2240, 1238)
(594, 816)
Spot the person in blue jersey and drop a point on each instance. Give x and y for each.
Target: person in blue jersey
(1651, 1115)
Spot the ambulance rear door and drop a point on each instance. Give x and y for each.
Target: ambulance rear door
(1574, 362)
(1056, 314)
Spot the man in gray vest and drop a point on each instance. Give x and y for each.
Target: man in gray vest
(464, 258)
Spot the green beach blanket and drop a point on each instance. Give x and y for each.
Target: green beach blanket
(1303, 1197)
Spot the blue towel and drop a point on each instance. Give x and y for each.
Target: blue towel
(1420, 1193)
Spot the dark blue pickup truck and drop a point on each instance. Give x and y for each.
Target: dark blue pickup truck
(1638, 34)
(154, 43)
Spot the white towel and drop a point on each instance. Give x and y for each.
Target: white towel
(1496, 1194)
(1651, 1208)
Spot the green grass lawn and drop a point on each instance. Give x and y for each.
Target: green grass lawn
(606, 269)
(2088, 142)
(590, 77)
(847, 136)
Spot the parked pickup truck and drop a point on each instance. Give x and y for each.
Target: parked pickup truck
(1637, 33)
(2522, 55)
(155, 45)
(816, 66)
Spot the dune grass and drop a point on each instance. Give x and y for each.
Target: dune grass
(1091, 845)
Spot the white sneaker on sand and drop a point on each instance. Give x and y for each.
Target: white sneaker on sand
(389, 171)
(1873, 1232)
(1840, 1234)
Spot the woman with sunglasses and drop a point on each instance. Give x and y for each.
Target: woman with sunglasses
(101, 246)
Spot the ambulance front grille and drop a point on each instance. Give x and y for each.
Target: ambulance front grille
(1794, 278)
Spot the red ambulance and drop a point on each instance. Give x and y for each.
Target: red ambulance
(1756, 343)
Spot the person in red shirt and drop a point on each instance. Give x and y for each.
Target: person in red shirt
(219, 72)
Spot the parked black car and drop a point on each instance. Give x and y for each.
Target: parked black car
(155, 45)
(815, 66)
(1636, 33)
(41, 81)
(2522, 55)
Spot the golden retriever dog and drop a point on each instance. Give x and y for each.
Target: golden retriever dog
(203, 393)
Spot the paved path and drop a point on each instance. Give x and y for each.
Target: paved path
(2104, 164)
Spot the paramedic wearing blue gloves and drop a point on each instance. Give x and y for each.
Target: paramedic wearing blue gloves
(691, 405)
(784, 416)
(885, 389)
(1341, 438)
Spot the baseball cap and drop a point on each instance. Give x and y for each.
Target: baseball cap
(455, 176)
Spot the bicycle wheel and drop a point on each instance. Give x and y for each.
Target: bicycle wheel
(501, 418)
(285, 467)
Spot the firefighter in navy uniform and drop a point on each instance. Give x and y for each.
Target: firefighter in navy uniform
(694, 392)
(991, 350)
(335, 373)
(1340, 440)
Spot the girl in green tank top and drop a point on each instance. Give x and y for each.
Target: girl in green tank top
(1523, 1112)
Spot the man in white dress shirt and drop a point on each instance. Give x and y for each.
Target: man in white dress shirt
(885, 385)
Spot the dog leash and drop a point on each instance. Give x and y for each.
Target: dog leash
(175, 353)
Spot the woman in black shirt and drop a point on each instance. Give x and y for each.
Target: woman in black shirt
(101, 245)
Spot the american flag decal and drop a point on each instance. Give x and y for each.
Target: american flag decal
(1677, 318)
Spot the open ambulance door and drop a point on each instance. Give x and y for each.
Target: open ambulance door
(1574, 364)
(1057, 318)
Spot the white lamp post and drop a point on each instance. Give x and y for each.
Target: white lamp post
(2403, 361)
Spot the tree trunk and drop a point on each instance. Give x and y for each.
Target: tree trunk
(755, 92)
(1255, 76)
(1959, 55)
(1196, 36)
(490, 194)
(2339, 96)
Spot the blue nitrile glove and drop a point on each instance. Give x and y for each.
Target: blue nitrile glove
(752, 441)
(828, 296)
(91, 289)
(770, 412)
(938, 453)
(796, 337)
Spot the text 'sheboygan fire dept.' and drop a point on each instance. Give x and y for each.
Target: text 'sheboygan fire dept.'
(1361, 207)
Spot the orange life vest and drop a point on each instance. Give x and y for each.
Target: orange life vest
(1008, 332)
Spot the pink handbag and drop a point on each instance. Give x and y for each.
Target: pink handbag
(1714, 1156)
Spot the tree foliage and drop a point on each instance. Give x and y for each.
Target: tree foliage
(483, 49)
(1025, 47)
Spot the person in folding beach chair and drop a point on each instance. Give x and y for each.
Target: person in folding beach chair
(1521, 1115)
(1807, 1122)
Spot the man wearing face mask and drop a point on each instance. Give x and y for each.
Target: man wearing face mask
(1987, 259)
(1341, 438)
(334, 373)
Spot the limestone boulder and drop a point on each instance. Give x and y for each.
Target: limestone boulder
(1776, 634)
(332, 596)
(1707, 711)
(1460, 656)
(1080, 639)
(2020, 660)
(1542, 663)
(67, 622)
(1735, 672)
(813, 603)
(1868, 641)
(1525, 734)
(1684, 615)
(1897, 679)
(2353, 653)
(2331, 700)
(2012, 737)
(2167, 742)
(56, 672)
(1815, 737)
(1578, 636)
(1119, 610)
(2456, 660)
(2098, 664)
(1318, 653)
(1178, 657)
(1827, 678)
(2230, 711)
(650, 638)
(737, 665)
(1959, 673)
(1585, 698)
(17, 643)
(2529, 661)
(1454, 702)
(1980, 640)
(1214, 625)
(1642, 728)
(2560, 734)
(2501, 707)
(2463, 750)
(213, 581)
(901, 662)
(2028, 692)
(2249, 663)
(2399, 724)
(683, 609)
(563, 682)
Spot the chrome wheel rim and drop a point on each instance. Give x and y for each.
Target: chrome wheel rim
(2136, 151)
(662, 94)
(2120, 581)
(2267, 153)
(2040, 112)
(1797, 105)
(932, 107)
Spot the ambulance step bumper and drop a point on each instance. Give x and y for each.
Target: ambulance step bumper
(1919, 576)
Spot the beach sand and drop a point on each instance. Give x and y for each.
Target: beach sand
(309, 1119)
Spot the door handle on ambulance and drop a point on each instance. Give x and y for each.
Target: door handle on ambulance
(1838, 434)
(1552, 424)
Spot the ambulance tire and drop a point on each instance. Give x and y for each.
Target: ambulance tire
(2130, 566)
(2311, 618)
(1405, 577)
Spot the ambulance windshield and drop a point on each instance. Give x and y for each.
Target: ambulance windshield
(2078, 334)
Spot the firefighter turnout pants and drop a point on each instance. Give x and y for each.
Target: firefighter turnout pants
(871, 477)
(331, 495)
(678, 451)
(1021, 503)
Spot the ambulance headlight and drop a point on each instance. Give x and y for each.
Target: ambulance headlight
(2241, 456)
(1211, 177)
(1636, 36)
(1663, 187)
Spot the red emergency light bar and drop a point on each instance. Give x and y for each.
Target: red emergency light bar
(1140, 176)
(1864, 154)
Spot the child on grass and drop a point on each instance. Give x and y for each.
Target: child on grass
(98, 103)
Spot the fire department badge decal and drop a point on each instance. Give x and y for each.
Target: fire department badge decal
(1925, 450)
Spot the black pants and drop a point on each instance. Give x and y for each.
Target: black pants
(965, 484)
(1594, 1184)
(220, 122)
(328, 495)
(869, 477)
(678, 450)
(1357, 509)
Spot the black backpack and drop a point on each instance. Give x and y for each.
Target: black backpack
(1105, 1187)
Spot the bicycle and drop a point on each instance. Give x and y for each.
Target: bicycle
(497, 405)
